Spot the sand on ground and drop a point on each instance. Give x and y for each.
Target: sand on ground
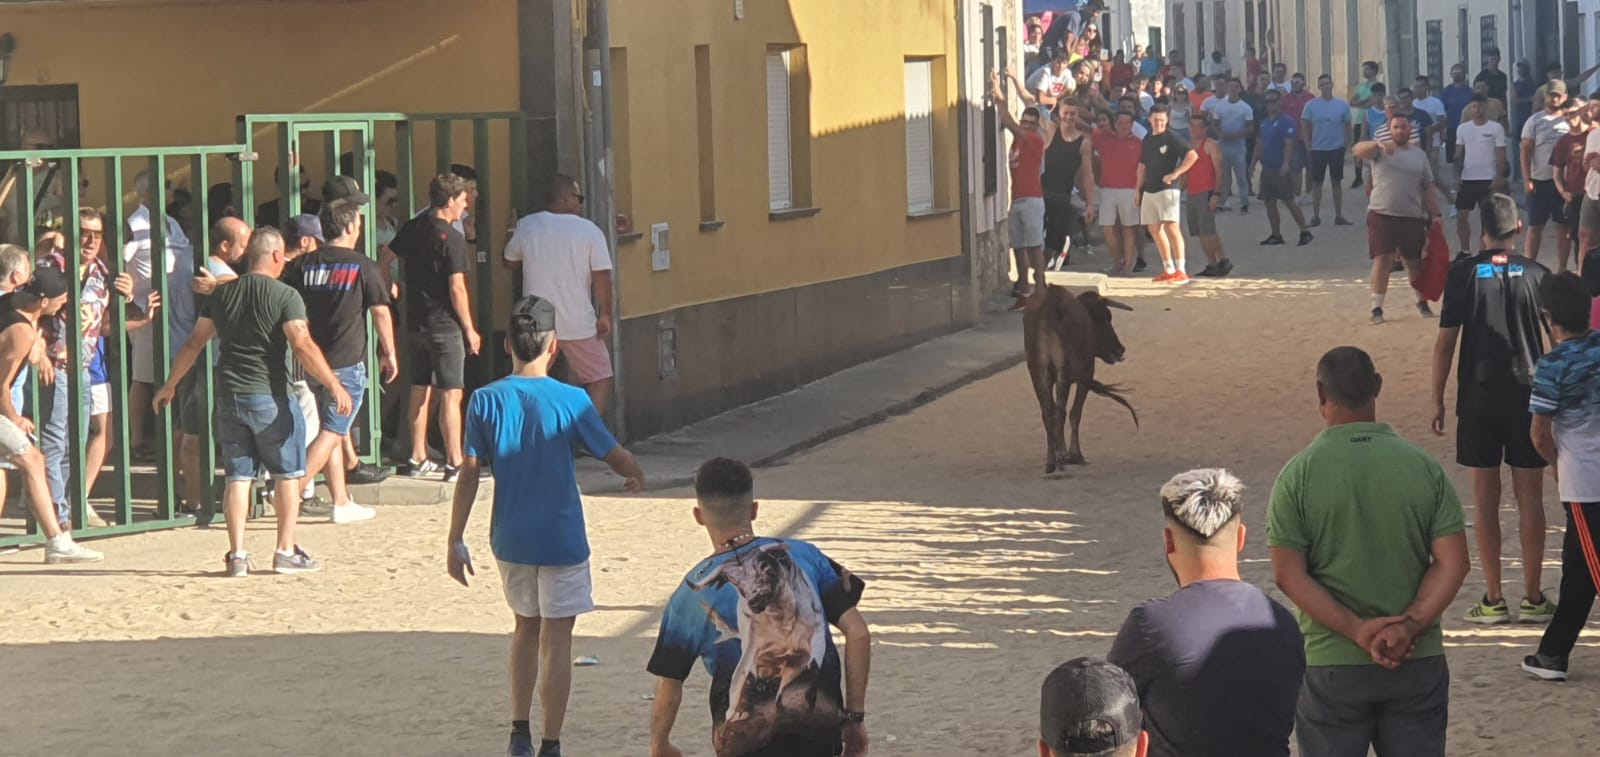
(982, 574)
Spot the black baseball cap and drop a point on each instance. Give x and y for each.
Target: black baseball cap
(47, 283)
(1089, 708)
(533, 314)
(344, 188)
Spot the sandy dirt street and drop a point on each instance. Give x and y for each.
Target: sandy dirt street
(981, 574)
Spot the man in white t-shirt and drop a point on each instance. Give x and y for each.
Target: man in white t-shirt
(1216, 65)
(565, 261)
(1051, 83)
(1480, 151)
(137, 255)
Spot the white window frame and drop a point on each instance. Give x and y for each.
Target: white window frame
(919, 136)
(780, 140)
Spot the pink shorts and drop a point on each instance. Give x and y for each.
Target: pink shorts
(588, 360)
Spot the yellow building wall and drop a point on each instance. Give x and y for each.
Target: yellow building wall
(855, 53)
(173, 73)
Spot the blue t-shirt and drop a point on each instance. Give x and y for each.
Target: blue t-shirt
(1566, 385)
(1328, 119)
(1376, 117)
(524, 429)
(1455, 97)
(1275, 135)
(1219, 667)
(1149, 66)
(767, 603)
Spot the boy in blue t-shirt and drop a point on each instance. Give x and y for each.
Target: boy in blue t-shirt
(1565, 403)
(525, 427)
(756, 615)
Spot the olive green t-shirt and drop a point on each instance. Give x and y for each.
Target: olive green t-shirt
(1364, 506)
(250, 313)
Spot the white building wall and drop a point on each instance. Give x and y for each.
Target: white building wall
(1197, 32)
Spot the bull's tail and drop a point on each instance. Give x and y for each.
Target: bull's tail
(1112, 391)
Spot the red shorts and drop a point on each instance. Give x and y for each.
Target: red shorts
(1387, 235)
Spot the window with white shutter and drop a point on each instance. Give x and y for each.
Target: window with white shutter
(780, 150)
(919, 135)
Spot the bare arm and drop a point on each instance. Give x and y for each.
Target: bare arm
(1366, 150)
(1189, 159)
(308, 355)
(460, 301)
(1527, 160)
(1444, 349)
(1000, 104)
(1500, 162)
(383, 323)
(663, 714)
(466, 494)
(857, 659)
(1440, 584)
(1086, 177)
(1544, 438)
(1289, 570)
(624, 464)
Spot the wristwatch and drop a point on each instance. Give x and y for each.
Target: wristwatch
(853, 717)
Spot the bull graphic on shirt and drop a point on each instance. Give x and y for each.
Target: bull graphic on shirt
(781, 629)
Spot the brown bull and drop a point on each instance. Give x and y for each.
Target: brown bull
(1062, 336)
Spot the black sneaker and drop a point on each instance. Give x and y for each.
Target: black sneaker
(1423, 310)
(1272, 241)
(1314, 223)
(550, 749)
(1377, 316)
(1305, 238)
(451, 473)
(1016, 289)
(1357, 183)
(1545, 668)
(1245, 208)
(1139, 266)
(1209, 270)
(367, 473)
(1399, 266)
(1224, 267)
(418, 469)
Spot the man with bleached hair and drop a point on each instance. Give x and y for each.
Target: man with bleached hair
(1218, 663)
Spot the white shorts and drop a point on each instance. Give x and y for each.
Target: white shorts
(100, 399)
(1027, 222)
(1160, 207)
(1116, 207)
(307, 401)
(547, 591)
(13, 440)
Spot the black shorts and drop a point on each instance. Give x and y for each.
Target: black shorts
(1472, 193)
(1502, 434)
(438, 358)
(1545, 204)
(190, 403)
(1327, 163)
(1276, 185)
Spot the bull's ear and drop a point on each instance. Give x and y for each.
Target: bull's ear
(1110, 303)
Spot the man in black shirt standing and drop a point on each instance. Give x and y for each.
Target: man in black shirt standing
(1164, 159)
(1491, 304)
(340, 286)
(1218, 664)
(438, 320)
(1492, 75)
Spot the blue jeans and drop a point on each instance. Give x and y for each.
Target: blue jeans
(260, 431)
(354, 380)
(53, 439)
(1235, 171)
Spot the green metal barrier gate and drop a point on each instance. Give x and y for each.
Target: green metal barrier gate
(135, 507)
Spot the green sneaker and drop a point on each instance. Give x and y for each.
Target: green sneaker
(1487, 613)
(1537, 612)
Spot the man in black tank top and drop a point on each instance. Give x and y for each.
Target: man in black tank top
(20, 311)
(1067, 164)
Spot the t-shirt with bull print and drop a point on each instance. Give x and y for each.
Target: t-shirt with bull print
(758, 618)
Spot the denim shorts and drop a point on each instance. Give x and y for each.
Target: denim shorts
(260, 432)
(354, 380)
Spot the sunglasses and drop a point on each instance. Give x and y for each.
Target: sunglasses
(93, 234)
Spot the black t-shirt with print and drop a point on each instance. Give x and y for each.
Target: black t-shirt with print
(1493, 297)
(1162, 154)
(433, 251)
(338, 285)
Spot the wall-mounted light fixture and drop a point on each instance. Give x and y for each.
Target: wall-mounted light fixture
(8, 43)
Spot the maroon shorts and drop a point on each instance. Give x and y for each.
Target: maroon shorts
(1387, 235)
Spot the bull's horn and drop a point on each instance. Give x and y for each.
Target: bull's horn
(1110, 303)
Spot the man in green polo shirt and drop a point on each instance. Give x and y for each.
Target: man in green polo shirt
(1368, 540)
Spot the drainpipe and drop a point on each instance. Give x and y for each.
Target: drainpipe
(600, 168)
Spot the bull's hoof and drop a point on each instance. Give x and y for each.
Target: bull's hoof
(1075, 459)
(1050, 467)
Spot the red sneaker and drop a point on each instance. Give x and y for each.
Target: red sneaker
(1164, 278)
(1179, 278)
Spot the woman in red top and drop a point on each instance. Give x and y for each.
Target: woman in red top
(1122, 72)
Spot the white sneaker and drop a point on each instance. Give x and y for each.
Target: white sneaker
(92, 519)
(63, 549)
(352, 513)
